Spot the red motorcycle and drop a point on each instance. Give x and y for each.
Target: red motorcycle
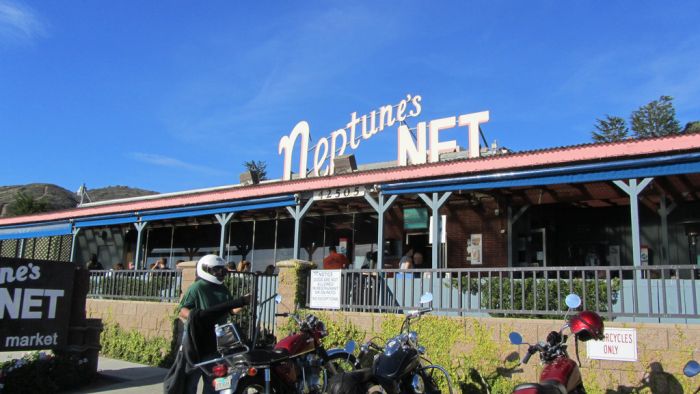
(297, 364)
(561, 375)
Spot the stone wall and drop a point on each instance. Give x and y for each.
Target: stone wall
(149, 318)
(660, 347)
(669, 346)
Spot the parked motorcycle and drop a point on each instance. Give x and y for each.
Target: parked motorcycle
(398, 367)
(297, 364)
(561, 375)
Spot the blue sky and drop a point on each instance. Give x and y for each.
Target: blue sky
(169, 96)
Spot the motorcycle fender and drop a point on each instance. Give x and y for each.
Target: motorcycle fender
(332, 352)
(340, 353)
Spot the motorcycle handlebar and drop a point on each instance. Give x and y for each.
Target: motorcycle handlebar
(282, 314)
(527, 357)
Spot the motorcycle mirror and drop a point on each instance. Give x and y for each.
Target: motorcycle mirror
(350, 347)
(515, 338)
(573, 301)
(691, 369)
(426, 298)
(278, 299)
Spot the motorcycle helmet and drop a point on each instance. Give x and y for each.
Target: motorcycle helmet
(587, 325)
(212, 268)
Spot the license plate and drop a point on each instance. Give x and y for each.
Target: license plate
(222, 383)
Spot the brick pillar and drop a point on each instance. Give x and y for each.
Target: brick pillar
(291, 285)
(189, 274)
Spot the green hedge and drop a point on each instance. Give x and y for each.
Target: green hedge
(131, 345)
(550, 294)
(153, 286)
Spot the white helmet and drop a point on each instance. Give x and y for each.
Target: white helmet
(207, 271)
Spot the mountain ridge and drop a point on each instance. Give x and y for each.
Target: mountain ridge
(59, 198)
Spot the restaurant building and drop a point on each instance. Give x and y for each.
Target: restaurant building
(626, 203)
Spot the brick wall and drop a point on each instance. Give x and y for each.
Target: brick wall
(149, 318)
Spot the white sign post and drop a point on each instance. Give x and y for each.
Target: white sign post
(325, 289)
(620, 344)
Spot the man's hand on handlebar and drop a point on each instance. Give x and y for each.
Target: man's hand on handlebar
(246, 300)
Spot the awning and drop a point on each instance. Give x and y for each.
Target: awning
(212, 209)
(593, 172)
(35, 230)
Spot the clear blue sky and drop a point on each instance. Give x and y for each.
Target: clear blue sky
(176, 95)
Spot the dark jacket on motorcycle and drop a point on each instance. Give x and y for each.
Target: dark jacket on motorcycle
(198, 342)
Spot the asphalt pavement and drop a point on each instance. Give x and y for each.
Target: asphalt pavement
(117, 376)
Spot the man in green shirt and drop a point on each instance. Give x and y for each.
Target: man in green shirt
(204, 293)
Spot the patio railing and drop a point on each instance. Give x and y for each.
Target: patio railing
(142, 285)
(648, 293)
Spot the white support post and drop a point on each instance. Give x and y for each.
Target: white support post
(434, 203)
(511, 221)
(223, 219)
(633, 189)
(75, 232)
(298, 213)
(663, 211)
(139, 229)
(20, 252)
(380, 206)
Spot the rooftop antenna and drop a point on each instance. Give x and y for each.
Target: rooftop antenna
(83, 194)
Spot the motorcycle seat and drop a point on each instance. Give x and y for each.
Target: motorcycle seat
(544, 388)
(264, 356)
(268, 355)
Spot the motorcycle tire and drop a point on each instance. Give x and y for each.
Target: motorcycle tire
(252, 385)
(339, 359)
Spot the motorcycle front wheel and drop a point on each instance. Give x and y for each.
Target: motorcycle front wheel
(436, 379)
(337, 363)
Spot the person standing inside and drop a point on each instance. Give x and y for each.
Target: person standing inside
(204, 294)
(334, 260)
(93, 264)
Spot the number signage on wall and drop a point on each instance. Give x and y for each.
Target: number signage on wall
(35, 302)
(339, 192)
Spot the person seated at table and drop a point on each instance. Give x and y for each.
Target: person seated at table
(118, 266)
(406, 262)
(418, 260)
(243, 266)
(334, 260)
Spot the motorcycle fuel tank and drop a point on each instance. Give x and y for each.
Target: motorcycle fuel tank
(396, 364)
(563, 371)
(296, 344)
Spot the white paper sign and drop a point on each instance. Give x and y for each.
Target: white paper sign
(620, 344)
(325, 289)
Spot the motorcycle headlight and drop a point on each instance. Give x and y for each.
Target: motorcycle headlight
(413, 337)
(417, 384)
(392, 346)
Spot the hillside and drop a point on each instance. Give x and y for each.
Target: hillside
(58, 198)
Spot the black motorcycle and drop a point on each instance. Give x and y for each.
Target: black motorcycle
(398, 367)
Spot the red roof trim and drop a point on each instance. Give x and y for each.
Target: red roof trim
(558, 156)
